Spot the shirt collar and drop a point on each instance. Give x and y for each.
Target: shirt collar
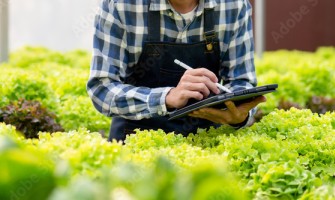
(159, 5)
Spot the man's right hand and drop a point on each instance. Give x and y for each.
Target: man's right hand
(196, 84)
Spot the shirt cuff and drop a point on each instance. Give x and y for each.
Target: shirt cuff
(157, 106)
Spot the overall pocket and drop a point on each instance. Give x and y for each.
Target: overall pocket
(170, 77)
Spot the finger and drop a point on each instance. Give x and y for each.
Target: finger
(254, 102)
(231, 107)
(197, 79)
(188, 94)
(201, 79)
(211, 114)
(198, 87)
(212, 119)
(237, 115)
(203, 72)
(217, 115)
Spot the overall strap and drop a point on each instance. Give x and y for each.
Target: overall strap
(154, 25)
(209, 20)
(209, 32)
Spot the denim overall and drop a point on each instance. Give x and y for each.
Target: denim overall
(156, 68)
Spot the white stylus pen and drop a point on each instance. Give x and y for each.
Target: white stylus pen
(183, 65)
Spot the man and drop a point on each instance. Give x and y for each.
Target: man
(133, 76)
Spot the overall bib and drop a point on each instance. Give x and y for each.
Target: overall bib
(156, 68)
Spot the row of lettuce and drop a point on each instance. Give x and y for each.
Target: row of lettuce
(287, 155)
(58, 81)
(305, 79)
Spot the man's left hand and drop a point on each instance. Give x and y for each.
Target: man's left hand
(232, 115)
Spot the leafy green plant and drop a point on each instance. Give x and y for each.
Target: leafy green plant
(77, 112)
(288, 154)
(300, 76)
(29, 117)
(26, 173)
(320, 193)
(84, 151)
(27, 56)
(321, 105)
(286, 180)
(55, 79)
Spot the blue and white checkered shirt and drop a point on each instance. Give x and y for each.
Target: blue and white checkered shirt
(120, 31)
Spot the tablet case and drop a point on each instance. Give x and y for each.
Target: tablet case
(216, 101)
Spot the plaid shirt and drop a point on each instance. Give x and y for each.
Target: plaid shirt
(120, 31)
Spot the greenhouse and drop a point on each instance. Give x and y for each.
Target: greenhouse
(158, 99)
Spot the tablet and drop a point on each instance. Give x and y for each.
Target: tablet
(216, 101)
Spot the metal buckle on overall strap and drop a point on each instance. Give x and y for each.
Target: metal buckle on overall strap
(209, 39)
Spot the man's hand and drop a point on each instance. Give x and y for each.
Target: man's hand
(196, 84)
(232, 115)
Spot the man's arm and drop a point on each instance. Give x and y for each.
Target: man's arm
(238, 72)
(240, 58)
(105, 86)
(238, 69)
